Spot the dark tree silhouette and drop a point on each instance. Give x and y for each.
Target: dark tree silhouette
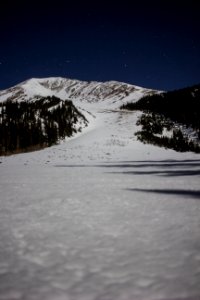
(31, 125)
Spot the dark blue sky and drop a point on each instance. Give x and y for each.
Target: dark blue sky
(154, 44)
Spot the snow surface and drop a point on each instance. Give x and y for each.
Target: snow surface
(100, 216)
(111, 91)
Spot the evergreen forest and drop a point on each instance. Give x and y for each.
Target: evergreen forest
(28, 126)
(176, 112)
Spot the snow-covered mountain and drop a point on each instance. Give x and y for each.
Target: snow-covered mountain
(99, 215)
(51, 95)
(112, 92)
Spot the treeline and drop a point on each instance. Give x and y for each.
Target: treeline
(32, 125)
(153, 126)
(176, 109)
(181, 106)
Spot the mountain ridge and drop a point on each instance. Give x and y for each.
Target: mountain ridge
(75, 90)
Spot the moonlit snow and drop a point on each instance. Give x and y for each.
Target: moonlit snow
(100, 216)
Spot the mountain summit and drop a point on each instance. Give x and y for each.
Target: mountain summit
(113, 92)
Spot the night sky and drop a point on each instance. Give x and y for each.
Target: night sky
(154, 44)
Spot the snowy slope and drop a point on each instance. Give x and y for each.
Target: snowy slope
(100, 216)
(88, 97)
(109, 92)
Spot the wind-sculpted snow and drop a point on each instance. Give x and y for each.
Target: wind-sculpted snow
(100, 216)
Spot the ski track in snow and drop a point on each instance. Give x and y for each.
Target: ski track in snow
(100, 217)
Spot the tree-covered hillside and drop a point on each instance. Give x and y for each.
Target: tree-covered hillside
(33, 125)
(176, 111)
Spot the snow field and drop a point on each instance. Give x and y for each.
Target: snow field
(100, 216)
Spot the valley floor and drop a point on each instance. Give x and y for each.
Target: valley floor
(100, 217)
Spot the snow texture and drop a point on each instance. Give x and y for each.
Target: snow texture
(100, 216)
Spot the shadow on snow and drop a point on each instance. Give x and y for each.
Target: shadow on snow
(173, 192)
(161, 168)
(169, 168)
